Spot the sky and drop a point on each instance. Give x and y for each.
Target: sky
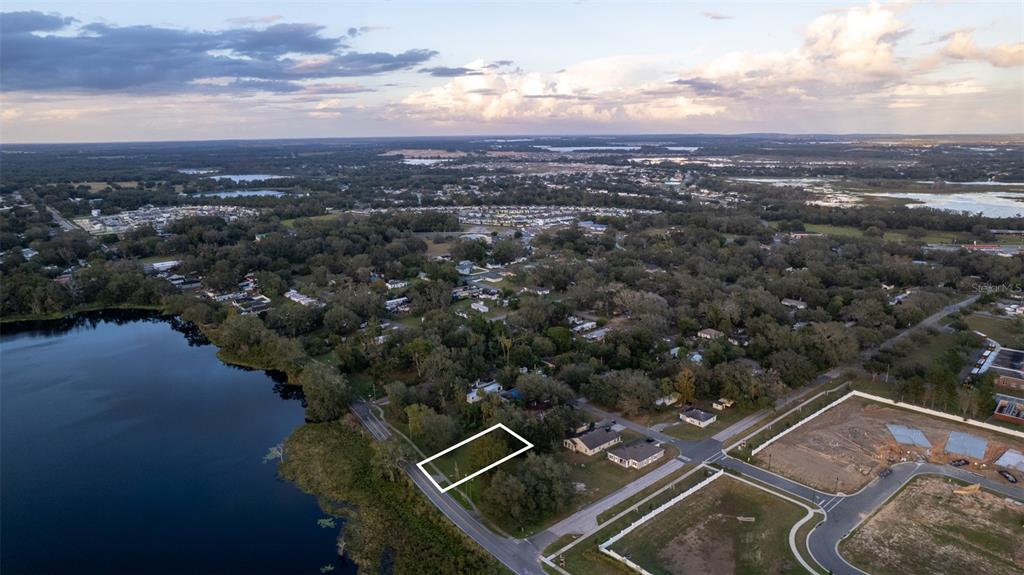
(188, 70)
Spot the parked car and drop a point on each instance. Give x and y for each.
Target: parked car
(1008, 476)
(885, 472)
(958, 462)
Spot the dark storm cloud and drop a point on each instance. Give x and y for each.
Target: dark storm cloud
(446, 72)
(704, 87)
(154, 59)
(22, 22)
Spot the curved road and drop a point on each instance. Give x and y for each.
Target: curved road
(852, 510)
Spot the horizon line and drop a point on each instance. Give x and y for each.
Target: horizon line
(522, 135)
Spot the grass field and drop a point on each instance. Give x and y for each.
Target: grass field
(726, 527)
(1003, 330)
(930, 236)
(725, 418)
(926, 529)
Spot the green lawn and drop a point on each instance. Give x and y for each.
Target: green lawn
(1008, 332)
(725, 418)
(459, 463)
(704, 533)
(930, 349)
(662, 497)
(931, 236)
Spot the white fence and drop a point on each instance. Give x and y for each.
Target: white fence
(900, 404)
(604, 547)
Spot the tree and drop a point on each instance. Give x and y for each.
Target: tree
(389, 456)
(432, 430)
(418, 349)
(685, 385)
(327, 393)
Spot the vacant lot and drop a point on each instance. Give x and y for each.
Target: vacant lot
(927, 529)
(843, 448)
(727, 527)
(1004, 330)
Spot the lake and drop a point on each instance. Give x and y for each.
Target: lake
(247, 177)
(128, 447)
(244, 194)
(990, 204)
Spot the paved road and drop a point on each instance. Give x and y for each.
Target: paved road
(777, 481)
(586, 519)
(850, 511)
(930, 321)
(519, 555)
(844, 513)
(690, 450)
(65, 225)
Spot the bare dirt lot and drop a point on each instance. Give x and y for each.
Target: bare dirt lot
(843, 448)
(726, 527)
(927, 529)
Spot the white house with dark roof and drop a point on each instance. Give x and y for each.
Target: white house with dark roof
(698, 417)
(593, 441)
(636, 455)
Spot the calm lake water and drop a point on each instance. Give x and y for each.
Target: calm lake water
(128, 447)
(245, 194)
(990, 204)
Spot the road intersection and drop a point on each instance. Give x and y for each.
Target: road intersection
(843, 513)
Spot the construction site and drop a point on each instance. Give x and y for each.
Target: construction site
(936, 526)
(842, 449)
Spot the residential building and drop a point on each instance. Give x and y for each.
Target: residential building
(636, 455)
(794, 303)
(593, 441)
(698, 417)
(480, 307)
(465, 267)
(722, 404)
(710, 333)
(482, 390)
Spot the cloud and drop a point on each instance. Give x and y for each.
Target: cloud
(606, 90)
(961, 46)
(715, 15)
(844, 53)
(446, 72)
(24, 22)
(102, 57)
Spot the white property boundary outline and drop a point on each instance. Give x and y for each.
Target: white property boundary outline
(606, 546)
(894, 403)
(502, 426)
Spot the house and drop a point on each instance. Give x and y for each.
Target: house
(302, 299)
(584, 326)
(1009, 408)
(710, 333)
(722, 404)
(483, 389)
(596, 335)
(396, 284)
(794, 303)
(393, 305)
(249, 305)
(480, 307)
(636, 455)
(593, 441)
(698, 417)
(695, 357)
(669, 399)
(674, 352)
(465, 268)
